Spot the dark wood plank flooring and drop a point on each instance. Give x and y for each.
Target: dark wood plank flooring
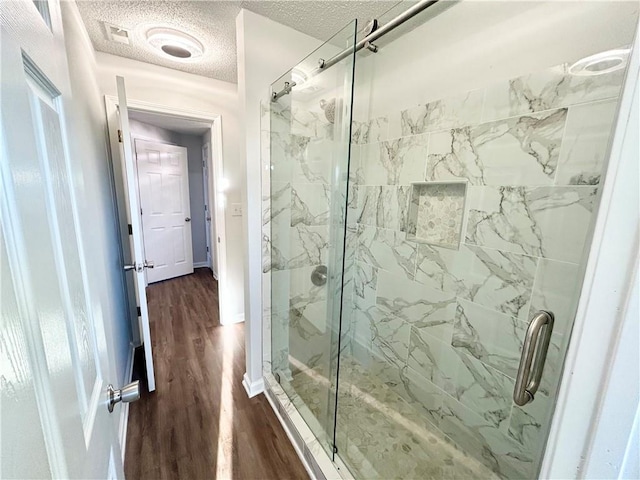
(199, 423)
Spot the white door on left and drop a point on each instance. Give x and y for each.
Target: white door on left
(163, 179)
(54, 359)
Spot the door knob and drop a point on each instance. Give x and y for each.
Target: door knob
(188, 219)
(127, 394)
(129, 267)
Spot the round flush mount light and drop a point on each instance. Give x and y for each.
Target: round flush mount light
(601, 63)
(174, 43)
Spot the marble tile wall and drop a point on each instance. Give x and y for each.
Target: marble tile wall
(441, 326)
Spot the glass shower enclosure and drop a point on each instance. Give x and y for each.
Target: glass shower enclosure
(431, 200)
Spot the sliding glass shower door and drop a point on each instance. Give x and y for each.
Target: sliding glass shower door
(478, 150)
(310, 122)
(430, 220)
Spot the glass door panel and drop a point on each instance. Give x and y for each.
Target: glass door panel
(310, 121)
(478, 149)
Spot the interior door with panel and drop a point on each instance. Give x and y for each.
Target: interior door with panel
(56, 363)
(132, 206)
(163, 180)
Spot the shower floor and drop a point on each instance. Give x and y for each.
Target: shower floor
(379, 434)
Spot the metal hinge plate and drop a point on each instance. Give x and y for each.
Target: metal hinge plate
(130, 228)
(139, 311)
(120, 136)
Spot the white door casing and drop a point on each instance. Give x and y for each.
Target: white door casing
(137, 243)
(56, 363)
(163, 181)
(210, 224)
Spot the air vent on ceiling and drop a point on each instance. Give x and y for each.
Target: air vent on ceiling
(116, 34)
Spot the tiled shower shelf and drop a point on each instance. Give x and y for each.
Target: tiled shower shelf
(436, 213)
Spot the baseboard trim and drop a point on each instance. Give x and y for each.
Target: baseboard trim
(254, 388)
(201, 265)
(124, 410)
(238, 318)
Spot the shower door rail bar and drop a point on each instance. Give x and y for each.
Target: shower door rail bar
(408, 14)
(366, 42)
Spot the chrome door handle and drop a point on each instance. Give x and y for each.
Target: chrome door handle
(187, 219)
(129, 393)
(534, 354)
(129, 267)
(148, 264)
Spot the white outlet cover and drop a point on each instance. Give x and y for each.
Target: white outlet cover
(236, 209)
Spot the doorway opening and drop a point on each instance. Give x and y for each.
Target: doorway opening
(172, 159)
(169, 187)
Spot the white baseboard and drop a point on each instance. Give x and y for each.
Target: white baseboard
(200, 264)
(124, 410)
(254, 388)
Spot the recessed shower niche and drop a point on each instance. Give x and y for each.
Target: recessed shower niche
(436, 213)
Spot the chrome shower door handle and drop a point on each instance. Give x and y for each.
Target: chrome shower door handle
(534, 354)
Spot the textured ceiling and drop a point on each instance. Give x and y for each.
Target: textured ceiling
(213, 23)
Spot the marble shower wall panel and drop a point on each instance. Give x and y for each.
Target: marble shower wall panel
(549, 222)
(515, 151)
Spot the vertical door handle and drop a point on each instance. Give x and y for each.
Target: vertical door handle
(187, 219)
(534, 354)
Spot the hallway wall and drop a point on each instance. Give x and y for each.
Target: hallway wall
(171, 88)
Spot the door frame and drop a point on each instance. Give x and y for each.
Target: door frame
(216, 186)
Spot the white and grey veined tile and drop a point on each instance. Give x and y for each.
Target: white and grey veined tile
(394, 162)
(277, 242)
(557, 289)
(415, 303)
(387, 249)
(380, 206)
(484, 441)
(465, 109)
(359, 131)
(498, 280)
(585, 143)
(493, 338)
(365, 283)
(516, 151)
(547, 89)
(552, 222)
(529, 424)
(309, 246)
(378, 129)
(389, 335)
(313, 163)
(310, 204)
(481, 388)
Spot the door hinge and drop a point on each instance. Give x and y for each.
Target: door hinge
(120, 136)
(205, 208)
(207, 249)
(130, 227)
(139, 311)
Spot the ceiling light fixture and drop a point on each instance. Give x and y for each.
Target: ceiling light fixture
(601, 63)
(174, 43)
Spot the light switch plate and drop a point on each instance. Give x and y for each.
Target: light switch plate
(236, 209)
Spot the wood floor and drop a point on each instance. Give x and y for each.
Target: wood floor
(199, 423)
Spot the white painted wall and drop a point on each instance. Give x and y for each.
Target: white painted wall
(174, 89)
(266, 50)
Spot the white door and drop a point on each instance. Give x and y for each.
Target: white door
(140, 263)
(163, 177)
(54, 359)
